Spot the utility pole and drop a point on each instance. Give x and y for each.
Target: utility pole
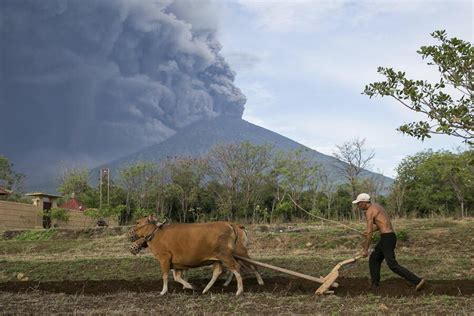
(104, 177)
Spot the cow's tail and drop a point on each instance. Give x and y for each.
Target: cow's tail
(241, 239)
(236, 233)
(243, 236)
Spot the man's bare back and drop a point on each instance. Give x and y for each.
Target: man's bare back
(379, 218)
(376, 216)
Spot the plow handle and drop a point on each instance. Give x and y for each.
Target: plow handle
(293, 273)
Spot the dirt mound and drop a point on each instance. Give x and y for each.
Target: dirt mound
(280, 285)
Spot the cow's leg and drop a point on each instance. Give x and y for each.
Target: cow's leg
(248, 266)
(233, 266)
(257, 275)
(216, 271)
(230, 275)
(178, 277)
(240, 284)
(165, 270)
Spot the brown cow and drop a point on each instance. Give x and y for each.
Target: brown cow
(184, 246)
(242, 244)
(241, 247)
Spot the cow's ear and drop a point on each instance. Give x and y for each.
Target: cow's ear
(152, 219)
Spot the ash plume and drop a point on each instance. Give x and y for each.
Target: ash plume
(88, 81)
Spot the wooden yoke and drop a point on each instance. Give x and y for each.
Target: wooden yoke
(333, 275)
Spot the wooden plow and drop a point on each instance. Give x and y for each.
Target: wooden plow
(326, 282)
(333, 275)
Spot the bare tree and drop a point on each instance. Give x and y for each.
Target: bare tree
(186, 175)
(223, 170)
(139, 181)
(295, 173)
(328, 188)
(353, 158)
(373, 185)
(397, 195)
(241, 170)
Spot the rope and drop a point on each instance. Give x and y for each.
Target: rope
(322, 218)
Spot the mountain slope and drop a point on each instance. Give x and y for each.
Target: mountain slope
(197, 139)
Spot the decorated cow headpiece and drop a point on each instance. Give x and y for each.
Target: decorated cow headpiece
(143, 231)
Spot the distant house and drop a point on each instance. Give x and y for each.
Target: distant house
(45, 202)
(73, 204)
(4, 191)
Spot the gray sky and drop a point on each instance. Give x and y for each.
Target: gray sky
(303, 64)
(85, 82)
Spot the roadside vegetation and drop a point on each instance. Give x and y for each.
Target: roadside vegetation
(251, 184)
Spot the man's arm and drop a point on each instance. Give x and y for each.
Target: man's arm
(370, 229)
(375, 228)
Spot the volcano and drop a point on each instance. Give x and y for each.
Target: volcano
(196, 140)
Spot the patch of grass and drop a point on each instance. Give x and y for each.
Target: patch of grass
(217, 303)
(439, 253)
(31, 235)
(86, 269)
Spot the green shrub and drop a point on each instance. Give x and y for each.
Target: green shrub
(102, 213)
(59, 214)
(31, 235)
(142, 212)
(402, 235)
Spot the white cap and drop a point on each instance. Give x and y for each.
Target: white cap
(363, 197)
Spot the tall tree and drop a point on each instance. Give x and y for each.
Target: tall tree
(224, 170)
(374, 185)
(328, 188)
(74, 181)
(446, 113)
(9, 178)
(139, 181)
(397, 197)
(295, 174)
(187, 176)
(437, 183)
(460, 175)
(254, 166)
(353, 158)
(241, 170)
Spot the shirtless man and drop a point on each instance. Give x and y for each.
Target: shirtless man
(377, 219)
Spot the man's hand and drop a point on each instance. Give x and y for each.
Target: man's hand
(364, 253)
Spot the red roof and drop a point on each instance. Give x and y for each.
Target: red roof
(73, 204)
(4, 191)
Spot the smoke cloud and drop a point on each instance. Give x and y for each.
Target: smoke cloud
(91, 80)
